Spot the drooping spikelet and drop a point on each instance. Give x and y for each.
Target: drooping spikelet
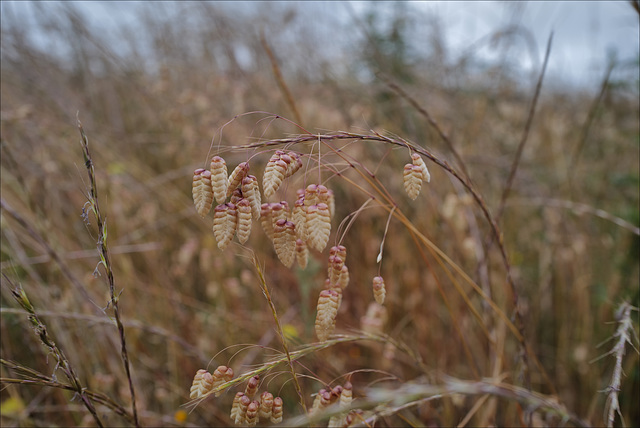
(274, 173)
(224, 224)
(327, 310)
(284, 241)
(266, 220)
(202, 383)
(412, 177)
(235, 406)
(221, 375)
(319, 225)
(316, 402)
(251, 417)
(236, 177)
(241, 412)
(219, 179)
(311, 195)
(202, 191)
(379, 291)
(279, 211)
(266, 405)
(343, 281)
(419, 162)
(340, 251)
(251, 191)
(236, 196)
(252, 386)
(302, 253)
(299, 217)
(346, 397)
(294, 165)
(276, 411)
(244, 220)
(335, 269)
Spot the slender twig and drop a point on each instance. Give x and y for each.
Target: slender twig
(62, 362)
(105, 261)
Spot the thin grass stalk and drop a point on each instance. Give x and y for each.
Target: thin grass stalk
(105, 260)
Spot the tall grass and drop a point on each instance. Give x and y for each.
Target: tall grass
(192, 81)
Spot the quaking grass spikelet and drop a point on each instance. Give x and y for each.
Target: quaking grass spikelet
(224, 224)
(235, 406)
(319, 226)
(266, 406)
(243, 229)
(266, 220)
(274, 173)
(284, 241)
(241, 411)
(219, 179)
(276, 411)
(202, 383)
(379, 290)
(252, 386)
(419, 162)
(302, 253)
(343, 280)
(299, 217)
(327, 310)
(251, 417)
(294, 165)
(236, 177)
(202, 191)
(221, 375)
(335, 269)
(251, 191)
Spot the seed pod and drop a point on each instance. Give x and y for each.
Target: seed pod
(347, 395)
(202, 383)
(340, 251)
(299, 217)
(294, 165)
(379, 291)
(343, 280)
(251, 418)
(221, 375)
(302, 253)
(224, 224)
(252, 386)
(235, 406)
(202, 191)
(273, 178)
(319, 225)
(266, 220)
(219, 180)
(327, 310)
(276, 412)
(284, 241)
(236, 177)
(266, 405)
(335, 269)
(311, 195)
(251, 191)
(419, 162)
(242, 409)
(412, 177)
(244, 220)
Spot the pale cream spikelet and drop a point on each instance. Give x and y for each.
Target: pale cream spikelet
(273, 179)
(266, 405)
(335, 269)
(224, 224)
(235, 406)
(343, 280)
(284, 241)
(319, 225)
(219, 179)
(327, 310)
(311, 195)
(302, 253)
(243, 228)
(276, 411)
(419, 162)
(202, 191)
(294, 165)
(326, 196)
(299, 217)
(379, 290)
(252, 386)
(266, 220)
(340, 251)
(412, 176)
(236, 177)
(268, 172)
(251, 417)
(241, 412)
(202, 383)
(251, 191)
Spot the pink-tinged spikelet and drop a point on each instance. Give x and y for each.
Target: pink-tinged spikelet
(379, 291)
(340, 251)
(319, 225)
(251, 191)
(346, 396)
(294, 165)
(236, 177)
(243, 229)
(276, 411)
(327, 310)
(279, 211)
(235, 406)
(219, 179)
(251, 417)
(335, 269)
(311, 195)
(202, 191)
(266, 406)
(221, 375)
(299, 217)
(241, 412)
(274, 173)
(252, 386)
(202, 383)
(412, 177)
(224, 224)
(266, 220)
(284, 241)
(302, 253)
(419, 162)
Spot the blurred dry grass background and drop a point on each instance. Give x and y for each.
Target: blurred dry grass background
(151, 99)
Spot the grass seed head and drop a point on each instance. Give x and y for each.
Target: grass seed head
(219, 179)
(202, 191)
(273, 176)
(412, 177)
(419, 162)
(252, 386)
(266, 220)
(241, 412)
(266, 406)
(251, 417)
(243, 228)
(343, 280)
(379, 290)
(251, 191)
(236, 196)
(311, 195)
(235, 406)
(202, 383)
(294, 165)
(302, 253)
(340, 251)
(224, 224)
(299, 217)
(346, 397)
(335, 269)
(284, 241)
(327, 310)
(276, 412)
(236, 177)
(319, 225)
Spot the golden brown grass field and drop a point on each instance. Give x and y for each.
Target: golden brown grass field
(511, 279)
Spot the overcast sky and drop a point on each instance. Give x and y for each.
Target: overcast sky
(585, 32)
